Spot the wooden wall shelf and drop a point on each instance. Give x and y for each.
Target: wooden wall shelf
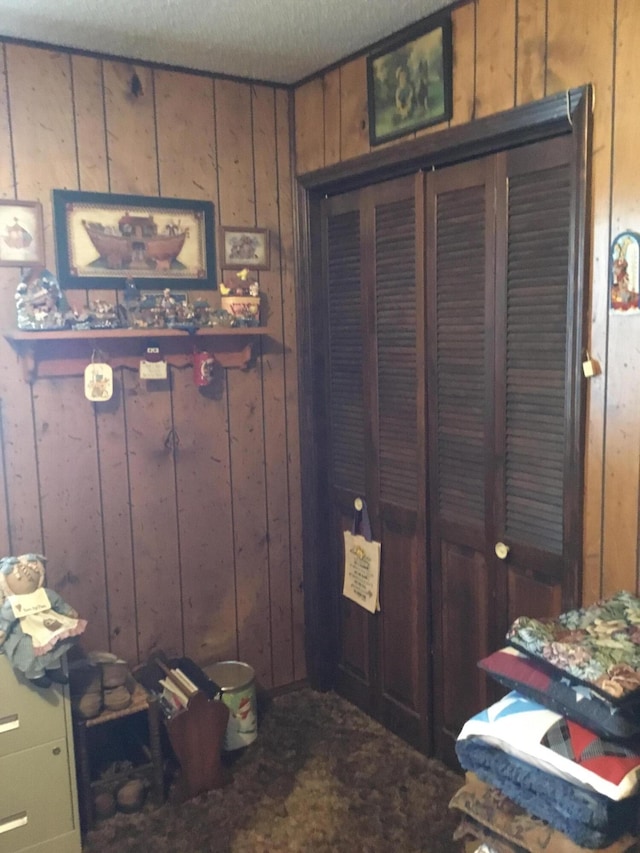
(67, 353)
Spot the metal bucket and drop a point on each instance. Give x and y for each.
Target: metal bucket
(238, 685)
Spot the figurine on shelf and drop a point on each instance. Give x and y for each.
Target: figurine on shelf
(36, 626)
(40, 303)
(240, 297)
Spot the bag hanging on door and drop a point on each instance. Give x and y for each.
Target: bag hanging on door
(361, 561)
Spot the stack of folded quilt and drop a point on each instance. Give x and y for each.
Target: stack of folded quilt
(564, 745)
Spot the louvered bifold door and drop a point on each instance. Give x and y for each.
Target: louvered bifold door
(459, 263)
(535, 380)
(346, 419)
(398, 459)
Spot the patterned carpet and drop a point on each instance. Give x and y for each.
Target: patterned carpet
(321, 778)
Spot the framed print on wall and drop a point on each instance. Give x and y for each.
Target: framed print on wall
(624, 285)
(103, 238)
(409, 80)
(245, 247)
(21, 234)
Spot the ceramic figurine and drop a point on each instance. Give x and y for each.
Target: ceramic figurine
(36, 626)
(40, 303)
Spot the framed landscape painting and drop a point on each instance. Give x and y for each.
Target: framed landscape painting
(409, 81)
(102, 239)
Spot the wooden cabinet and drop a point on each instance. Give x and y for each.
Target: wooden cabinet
(38, 805)
(142, 703)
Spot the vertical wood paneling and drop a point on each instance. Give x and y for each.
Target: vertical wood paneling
(131, 135)
(88, 103)
(332, 94)
(463, 23)
(290, 347)
(572, 62)
(116, 523)
(17, 433)
(531, 50)
(234, 124)
(309, 112)
(199, 417)
(7, 177)
(622, 447)
(495, 56)
(354, 121)
(130, 130)
(274, 391)
(117, 546)
(70, 501)
(39, 85)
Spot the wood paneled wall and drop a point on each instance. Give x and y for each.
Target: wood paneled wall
(194, 545)
(508, 53)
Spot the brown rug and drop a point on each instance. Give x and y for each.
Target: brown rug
(322, 777)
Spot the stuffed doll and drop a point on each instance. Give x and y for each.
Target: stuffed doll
(36, 626)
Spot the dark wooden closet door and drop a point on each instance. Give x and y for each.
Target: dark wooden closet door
(460, 264)
(375, 452)
(503, 389)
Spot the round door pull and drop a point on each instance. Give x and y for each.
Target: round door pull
(501, 550)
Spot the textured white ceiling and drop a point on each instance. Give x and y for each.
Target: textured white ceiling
(277, 40)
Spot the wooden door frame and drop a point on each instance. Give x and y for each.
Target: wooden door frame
(568, 112)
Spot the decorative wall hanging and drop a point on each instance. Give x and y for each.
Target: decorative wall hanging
(625, 273)
(361, 561)
(21, 234)
(245, 247)
(102, 239)
(409, 80)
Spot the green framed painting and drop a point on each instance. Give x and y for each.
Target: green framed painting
(102, 239)
(409, 80)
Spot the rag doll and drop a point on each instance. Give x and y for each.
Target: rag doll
(36, 626)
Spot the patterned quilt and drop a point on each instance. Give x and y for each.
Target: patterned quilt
(552, 743)
(598, 645)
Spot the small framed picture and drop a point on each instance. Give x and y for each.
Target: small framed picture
(409, 80)
(624, 286)
(21, 234)
(245, 247)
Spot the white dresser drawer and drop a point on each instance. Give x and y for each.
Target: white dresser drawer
(28, 715)
(36, 800)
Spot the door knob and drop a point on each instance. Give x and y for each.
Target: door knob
(501, 550)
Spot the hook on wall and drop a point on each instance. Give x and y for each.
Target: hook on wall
(135, 86)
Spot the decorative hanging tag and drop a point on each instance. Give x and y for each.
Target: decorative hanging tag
(153, 366)
(361, 561)
(98, 382)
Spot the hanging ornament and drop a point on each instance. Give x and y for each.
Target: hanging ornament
(98, 381)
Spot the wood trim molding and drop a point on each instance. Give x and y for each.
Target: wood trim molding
(538, 120)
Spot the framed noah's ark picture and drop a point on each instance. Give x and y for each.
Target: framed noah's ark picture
(409, 80)
(102, 239)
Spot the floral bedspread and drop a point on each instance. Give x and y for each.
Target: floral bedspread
(597, 645)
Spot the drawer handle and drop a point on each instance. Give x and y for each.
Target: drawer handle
(13, 821)
(11, 721)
